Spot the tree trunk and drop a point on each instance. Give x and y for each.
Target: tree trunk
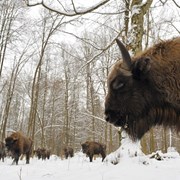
(138, 10)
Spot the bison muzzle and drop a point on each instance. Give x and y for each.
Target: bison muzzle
(144, 91)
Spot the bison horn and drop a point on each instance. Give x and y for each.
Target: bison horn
(125, 54)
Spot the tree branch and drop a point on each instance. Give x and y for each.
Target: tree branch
(92, 59)
(176, 4)
(75, 12)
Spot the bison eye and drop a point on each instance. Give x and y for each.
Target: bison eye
(117, 85)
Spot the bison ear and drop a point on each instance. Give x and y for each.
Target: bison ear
(141, 68)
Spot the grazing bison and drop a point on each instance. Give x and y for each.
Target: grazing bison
(68, 152)
(144, 91)
(2, 151)
(90, 148)
(19, 145)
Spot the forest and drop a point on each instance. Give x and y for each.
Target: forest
(55, 57)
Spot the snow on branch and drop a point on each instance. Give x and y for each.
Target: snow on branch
(65, 12)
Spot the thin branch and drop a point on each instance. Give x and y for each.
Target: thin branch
(72, 13)
(92, 59)
(174, 27)
(96, 117)
(74, 6)
(176, 4)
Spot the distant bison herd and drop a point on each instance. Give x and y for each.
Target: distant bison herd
(18, 145)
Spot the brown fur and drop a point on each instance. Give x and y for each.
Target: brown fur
(37, 153)
(148, 92)
(90, 148)
(42, 153)
(18, 144)
(2, 151)
(68, 152)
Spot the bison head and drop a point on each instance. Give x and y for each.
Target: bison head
(85, 147)
(129, 94)
(10, 142)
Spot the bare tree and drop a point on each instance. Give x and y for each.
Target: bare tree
(47, 33)
(8, 12)
(17, 67)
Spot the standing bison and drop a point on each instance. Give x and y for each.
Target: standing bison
(90, 148)
(18, 145)
(45, 153)
(42, 153)
(37, 152)
(144, 91)
(68, 152)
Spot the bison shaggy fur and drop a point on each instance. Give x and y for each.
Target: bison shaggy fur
(18, 145)
(144, 91)
(91, 148)
(68, 152)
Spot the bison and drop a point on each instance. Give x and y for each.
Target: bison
(45, 154)
(68, 152)
(37, 153)
(90, 148)
(18, 145)
(2, 151)
(42, 153)
(144, 91)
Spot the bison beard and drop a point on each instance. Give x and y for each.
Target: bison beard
(18, 144)
(144, 91)
(90, 148)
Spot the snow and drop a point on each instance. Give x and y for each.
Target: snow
(79, 167)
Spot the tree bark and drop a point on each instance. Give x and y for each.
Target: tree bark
(138, 10)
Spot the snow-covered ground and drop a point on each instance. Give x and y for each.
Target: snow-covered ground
(79, 168)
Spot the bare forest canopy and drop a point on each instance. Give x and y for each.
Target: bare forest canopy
(54, 62)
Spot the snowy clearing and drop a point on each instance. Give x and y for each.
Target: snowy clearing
(79, 167)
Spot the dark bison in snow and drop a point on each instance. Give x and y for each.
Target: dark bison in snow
(90, 148)
(18, 145)
(37, 152)
(144, 91)
(68, 152)
(2, 151)
(42, 153)
(45, 153)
